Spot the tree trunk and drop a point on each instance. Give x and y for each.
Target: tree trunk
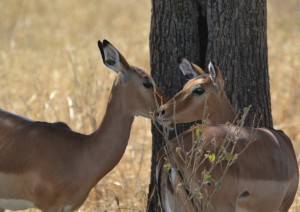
(237, 42)
(232, 34)
(173, 33)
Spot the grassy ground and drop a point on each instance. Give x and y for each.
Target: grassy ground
(50, 69)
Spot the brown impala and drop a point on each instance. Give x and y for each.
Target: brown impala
(263, 172)
(50, 167)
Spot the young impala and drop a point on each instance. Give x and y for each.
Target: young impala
(203, 95)
(263, 175)
(50, 167)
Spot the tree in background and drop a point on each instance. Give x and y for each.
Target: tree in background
(233, 34)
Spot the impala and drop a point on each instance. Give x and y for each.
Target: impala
(203, 95)
(260, 174)
(50, 167)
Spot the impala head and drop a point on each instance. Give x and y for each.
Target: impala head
(137, 90)
(200, 97)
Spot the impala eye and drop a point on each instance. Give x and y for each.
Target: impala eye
(198, 91)
(147, 85)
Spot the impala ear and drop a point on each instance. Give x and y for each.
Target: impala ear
(215, 75)
(112, 58)
(189, 70)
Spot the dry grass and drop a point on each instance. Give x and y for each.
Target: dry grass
(50, 69)
(284, 66)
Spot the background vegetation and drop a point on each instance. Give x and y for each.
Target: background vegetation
(50, 70)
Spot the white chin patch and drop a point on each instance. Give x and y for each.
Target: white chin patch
(16, 204)
(67, 208)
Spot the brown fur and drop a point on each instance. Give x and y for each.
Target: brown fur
(265, 176)
(204, 107)
(270, 160)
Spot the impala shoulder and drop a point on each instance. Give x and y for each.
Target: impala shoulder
(270, 131)
(61, 125)
(59, 131)
(51, 125)
(12, 120)
(280, 136)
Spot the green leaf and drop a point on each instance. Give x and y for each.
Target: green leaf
(207, 177)
(198, 132)
(211, 157)
(229, 156)
(178, 149)
(167, 167)
(218, 184)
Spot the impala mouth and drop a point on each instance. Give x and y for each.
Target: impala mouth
(162, 120)
(165, 123)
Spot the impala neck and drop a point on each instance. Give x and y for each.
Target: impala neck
(108, 143)
(222, 111)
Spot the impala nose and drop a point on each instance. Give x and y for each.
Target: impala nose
(160, 112)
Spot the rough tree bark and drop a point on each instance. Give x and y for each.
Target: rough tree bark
(232, 33)
(173, 33)
(237, 41)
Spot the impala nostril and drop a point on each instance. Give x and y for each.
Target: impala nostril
(157, 113)
(160, 112)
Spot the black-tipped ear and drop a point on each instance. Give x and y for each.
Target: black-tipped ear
(100, 45)
(112, 58)
(215, 74)
(105, 43)
(187, 68)
(212, 71)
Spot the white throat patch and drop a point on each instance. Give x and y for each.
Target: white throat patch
(16, 204)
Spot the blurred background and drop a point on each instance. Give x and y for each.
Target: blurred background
(50, 70)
